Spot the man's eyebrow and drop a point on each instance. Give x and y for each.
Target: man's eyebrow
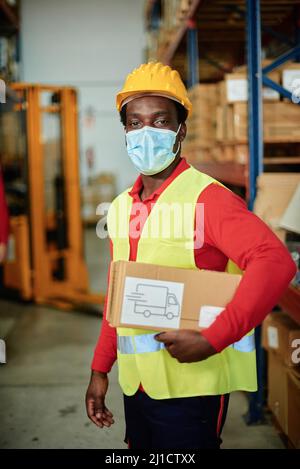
(156, 113)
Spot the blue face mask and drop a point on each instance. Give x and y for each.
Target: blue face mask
(151, 149)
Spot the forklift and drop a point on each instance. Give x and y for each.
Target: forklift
(40, 160)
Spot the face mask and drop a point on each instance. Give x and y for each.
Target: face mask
(151, 149)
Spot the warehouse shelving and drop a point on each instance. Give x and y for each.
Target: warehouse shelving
(224, 21)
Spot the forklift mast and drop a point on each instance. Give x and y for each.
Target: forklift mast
(40, 157)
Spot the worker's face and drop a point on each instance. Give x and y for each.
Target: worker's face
(154, 111)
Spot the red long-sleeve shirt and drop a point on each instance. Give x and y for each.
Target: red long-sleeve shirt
(4, 222)
(231, 231)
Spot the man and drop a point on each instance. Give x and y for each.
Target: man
(176, 384)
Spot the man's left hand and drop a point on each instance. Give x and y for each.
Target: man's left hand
(186, 345)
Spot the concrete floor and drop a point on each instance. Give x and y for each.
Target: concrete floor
(44, 381)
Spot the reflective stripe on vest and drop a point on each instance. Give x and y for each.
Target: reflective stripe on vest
(146, 343)
(139, 344)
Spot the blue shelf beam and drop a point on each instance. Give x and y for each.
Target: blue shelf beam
(192, 53)
(255, 112)
(291, 54)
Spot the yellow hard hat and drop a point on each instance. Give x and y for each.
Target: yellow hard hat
(156, 79)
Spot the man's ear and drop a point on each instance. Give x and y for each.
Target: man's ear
(182, 132)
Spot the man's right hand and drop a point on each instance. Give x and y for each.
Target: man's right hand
(95, 400)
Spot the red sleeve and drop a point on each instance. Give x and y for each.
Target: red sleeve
(105, 353)
(4, 220)
(247, 240)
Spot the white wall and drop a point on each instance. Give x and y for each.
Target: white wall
(90, 44)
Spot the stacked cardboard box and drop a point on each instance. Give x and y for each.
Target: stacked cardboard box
(293, 413)
(201, 135)
(218, 128)
(281, 120)
(274, 192)
(281, 338)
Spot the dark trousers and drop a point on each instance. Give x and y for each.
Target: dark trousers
(181, 423)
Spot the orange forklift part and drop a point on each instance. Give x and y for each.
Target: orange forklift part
(49, 265)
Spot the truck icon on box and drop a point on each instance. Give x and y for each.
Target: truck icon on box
(154, 300)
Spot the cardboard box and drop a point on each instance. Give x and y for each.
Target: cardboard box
(281, 335)
(238, 118)
(202, 129)
(284, 397)
(205, 92)
(195, 153)
(281, 122)
(274, 192)
(277, 390)
(232, 123)
(159, 298)
(241, 154)
(293, 414)
(220, 124)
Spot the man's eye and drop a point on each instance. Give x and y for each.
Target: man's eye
(161, 122)
(134, 124)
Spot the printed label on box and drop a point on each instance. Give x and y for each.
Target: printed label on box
(290, 78)
(237, 90)
(272, 333)
(208, 315)
(153, 303)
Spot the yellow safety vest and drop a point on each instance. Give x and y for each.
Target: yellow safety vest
(141, 359)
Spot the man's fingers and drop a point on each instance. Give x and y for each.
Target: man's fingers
(98, 413)
(103, 415)
(91, 412)
(166, 337)
(106, 420)
(108, 412)
(172, 350)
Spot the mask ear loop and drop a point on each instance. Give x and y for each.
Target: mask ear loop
(179, 143)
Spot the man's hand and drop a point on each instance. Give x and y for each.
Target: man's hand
(3, 248)
(185, 345)
(96, 410)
